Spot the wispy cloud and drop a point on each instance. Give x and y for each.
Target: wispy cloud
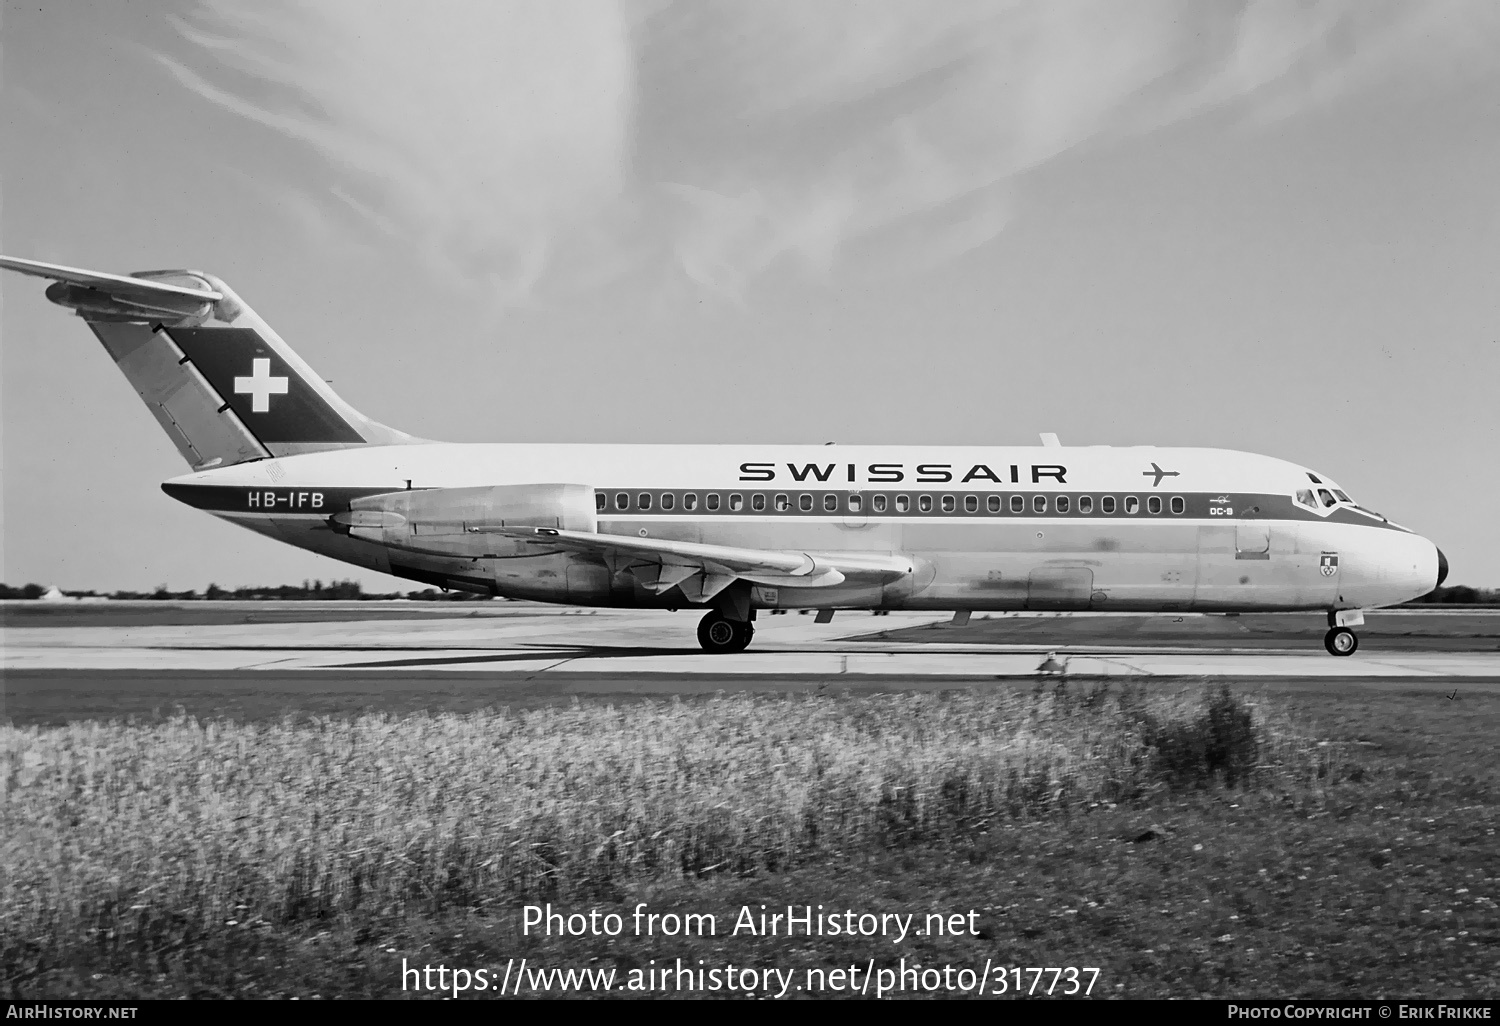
(543, 142)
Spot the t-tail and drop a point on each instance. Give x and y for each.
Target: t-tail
(224, 386)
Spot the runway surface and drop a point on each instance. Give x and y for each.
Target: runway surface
(515, 638)
(264, 658)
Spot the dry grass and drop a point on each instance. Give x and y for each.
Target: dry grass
(134, 834)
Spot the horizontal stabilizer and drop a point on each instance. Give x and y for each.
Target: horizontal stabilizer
(115, 284)
(221, 383)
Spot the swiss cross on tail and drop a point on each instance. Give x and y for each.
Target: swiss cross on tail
(260, 386)
(269, 396)
(1329, 564)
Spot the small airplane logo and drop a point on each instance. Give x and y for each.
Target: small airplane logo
(1160, 473)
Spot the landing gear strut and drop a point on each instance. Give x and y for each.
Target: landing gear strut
(1340, 641)
(716, 633)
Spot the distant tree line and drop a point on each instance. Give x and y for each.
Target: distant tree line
(1457, 595)
(1460, 595)
(309, 590)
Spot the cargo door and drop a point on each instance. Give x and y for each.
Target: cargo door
(1060, 588)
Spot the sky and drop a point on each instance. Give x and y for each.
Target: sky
(1272, 227)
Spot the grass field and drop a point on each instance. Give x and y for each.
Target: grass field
(1185, 841)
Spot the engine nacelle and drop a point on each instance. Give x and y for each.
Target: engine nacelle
(467, 522)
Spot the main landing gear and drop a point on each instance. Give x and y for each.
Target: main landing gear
(1340, 640)
(717, 633)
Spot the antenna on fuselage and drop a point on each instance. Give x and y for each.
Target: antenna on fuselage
(1050, 440)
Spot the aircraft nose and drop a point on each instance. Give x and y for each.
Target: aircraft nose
(1442, 569)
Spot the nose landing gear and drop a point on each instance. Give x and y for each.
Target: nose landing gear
(1340, 641)
(716, 633)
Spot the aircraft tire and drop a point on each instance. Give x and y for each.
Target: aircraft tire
(719, 634)
(1341, 641)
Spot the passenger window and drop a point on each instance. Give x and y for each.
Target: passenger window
(949, 504)
(1305, 498)
(1178, 505)
(690, 500)
(1085, 504)
(736, 502)
(667, 500)
(1063, 503)
(856, 503)
(600, 500)
(782, 502)
(1107, 504)
(877, 503)
(993, 504)
(831, 502)
(758, 501)
(1039, 504)
(643, 500)
(902, 504)
(971, 503)
(805, 503)
(1017, 504)
(924, 503)
(1153, 504)
(1132, 505)
(711, 500)
(622, 501)
(1328, 500)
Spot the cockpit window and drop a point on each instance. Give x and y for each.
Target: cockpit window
(1305, 498)
(1313, 478)
(1327, 497)
(1342, 496)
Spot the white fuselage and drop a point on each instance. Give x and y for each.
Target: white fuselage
(986, 528)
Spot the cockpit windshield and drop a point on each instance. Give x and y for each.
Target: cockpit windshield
(1326, 496)
(1329, 495)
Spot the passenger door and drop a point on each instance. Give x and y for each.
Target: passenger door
(1252, 539)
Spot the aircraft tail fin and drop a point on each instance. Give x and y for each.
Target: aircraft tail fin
(223, 385)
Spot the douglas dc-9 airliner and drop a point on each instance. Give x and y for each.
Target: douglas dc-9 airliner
(732, 529)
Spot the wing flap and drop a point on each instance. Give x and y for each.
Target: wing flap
(702, 571)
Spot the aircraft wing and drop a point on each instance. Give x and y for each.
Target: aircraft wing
(702, 571)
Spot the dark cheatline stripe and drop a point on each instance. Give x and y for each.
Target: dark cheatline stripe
(1211, 506)
(239, 499)
(1196, 506)
(295, 412)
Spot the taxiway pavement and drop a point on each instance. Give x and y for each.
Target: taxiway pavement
(533, 640)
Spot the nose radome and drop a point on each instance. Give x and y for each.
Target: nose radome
(1442, 569)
